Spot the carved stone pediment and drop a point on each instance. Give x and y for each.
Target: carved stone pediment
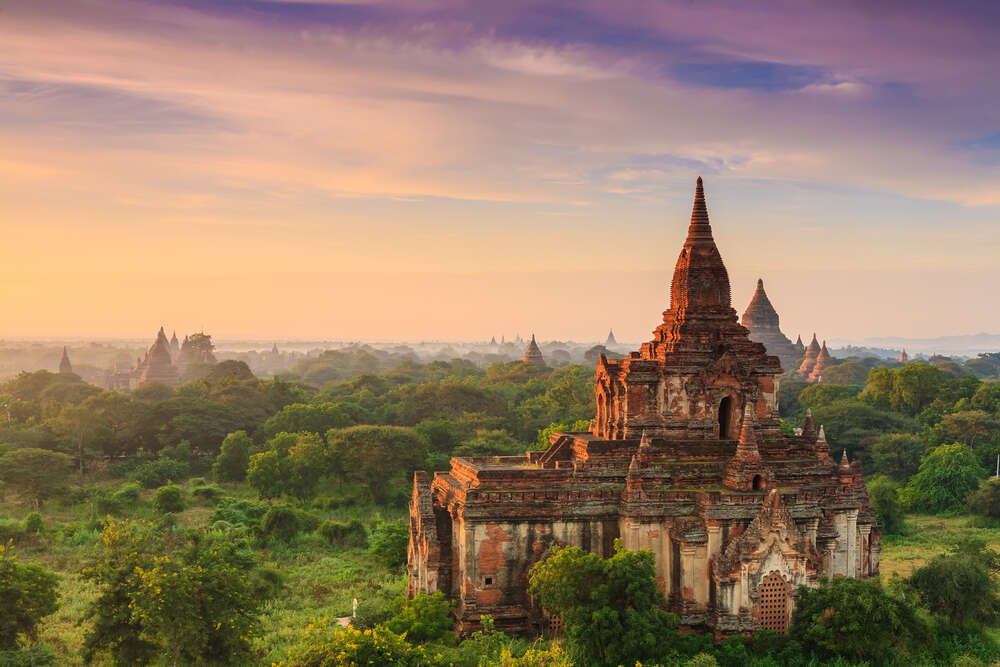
(773, 530)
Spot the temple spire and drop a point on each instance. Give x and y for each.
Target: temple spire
(700, 229)
(700, 285)
(65, 367)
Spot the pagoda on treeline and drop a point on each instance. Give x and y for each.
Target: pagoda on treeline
(611, 339)
(761, 319)
(158, 365)
(904, 357)
(533, 355)
(812, 352)
(65, 368)
(823, 361)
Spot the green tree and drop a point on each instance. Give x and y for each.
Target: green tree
(909, 389)
(960, 586)
(197, 606)
(986, 500)
(857, 620)
(425, 618)
(853, 425)
(168, 499)
(35, 474)
(897, 455)
(267, 473)
(611, 610)
(816, 395)
(375, 456)
(84, 433)
(947, 476)
(27, 595)
(311, 417)
(883, 494)
(388, 544)
(233, 459)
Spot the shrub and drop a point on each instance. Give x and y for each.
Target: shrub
(208, 494)
(128, 494)
(308, 522)
(160, 472)
(425, 618)
(33, 523)
(237, 511)
(121, 469)
(883, 494)
(28, 593)
(198, 481)
(325, 646)
(986, 501)
(168, 499)
(280, 523)
(389, 541)
(266, 583)
(30, 656)
(350, 535)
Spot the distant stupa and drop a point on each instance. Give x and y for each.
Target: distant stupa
(65, 368)
(175, 346)
(533, 355)
(493, 340)
(800, 349)
(611, 338)
(158, 365)
(761, 319)
(903, 357)
(812, 352)
(823, 361)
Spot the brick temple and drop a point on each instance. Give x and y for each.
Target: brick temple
(685, 458)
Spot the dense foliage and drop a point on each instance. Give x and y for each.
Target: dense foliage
(193, 601)
(611, 609)
(27, 595)
(309, 483)
(857, 620)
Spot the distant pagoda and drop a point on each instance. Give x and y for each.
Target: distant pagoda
(158, 365)
(812, 352)
(761, 319)
(903, 356)
(175, 347)
(611, 338)
(533, 355)
(823, 361)
(800, 349)
(65, 368)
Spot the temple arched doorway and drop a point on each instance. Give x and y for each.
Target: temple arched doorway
(726, 431)
(772, 603)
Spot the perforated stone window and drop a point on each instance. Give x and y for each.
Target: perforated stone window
(772, 603)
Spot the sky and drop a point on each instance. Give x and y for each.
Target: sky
(459, 170)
